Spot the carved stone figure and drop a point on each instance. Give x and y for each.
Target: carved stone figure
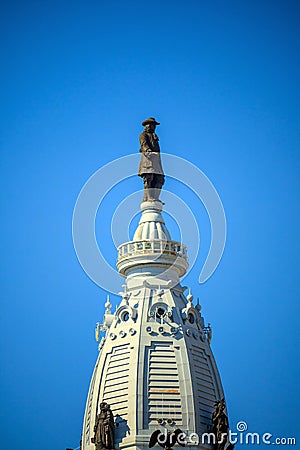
(104, 428)
(220, 425)
(150, 166)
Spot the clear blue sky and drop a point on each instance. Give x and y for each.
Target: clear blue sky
(77, 79)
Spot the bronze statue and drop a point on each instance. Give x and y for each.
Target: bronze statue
(150, 166)
(220, 426)
(104, 428)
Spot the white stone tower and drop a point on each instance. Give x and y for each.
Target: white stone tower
(155, 366)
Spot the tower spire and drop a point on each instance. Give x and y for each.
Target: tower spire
(155, 372)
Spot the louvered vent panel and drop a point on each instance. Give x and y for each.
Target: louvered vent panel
(163, 385)
(204, 384)
(116, 381)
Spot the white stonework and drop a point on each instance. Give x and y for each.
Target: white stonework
(155, 367)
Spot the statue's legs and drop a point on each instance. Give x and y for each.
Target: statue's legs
(156, 185)
(153, 183)
(147, 177)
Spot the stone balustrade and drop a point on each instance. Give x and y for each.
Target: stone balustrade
(148, 247)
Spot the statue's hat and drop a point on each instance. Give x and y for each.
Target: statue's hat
(150, 120)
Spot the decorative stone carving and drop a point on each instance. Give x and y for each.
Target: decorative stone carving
(208, 333)
(166, 440)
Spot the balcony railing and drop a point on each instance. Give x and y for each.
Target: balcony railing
(149, 247)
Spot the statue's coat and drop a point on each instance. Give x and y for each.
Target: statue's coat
(150, 161)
